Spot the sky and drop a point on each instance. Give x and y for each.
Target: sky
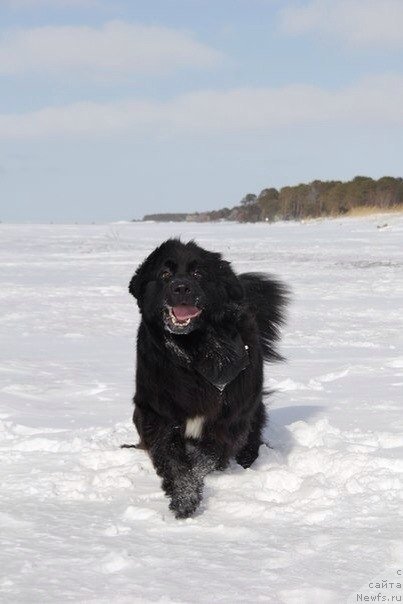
(111, 109)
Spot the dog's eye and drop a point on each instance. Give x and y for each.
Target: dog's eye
(196, 274)
(166, 275)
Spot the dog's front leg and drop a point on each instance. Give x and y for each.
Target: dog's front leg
(181, 480)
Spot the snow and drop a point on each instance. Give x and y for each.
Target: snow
(315, 518)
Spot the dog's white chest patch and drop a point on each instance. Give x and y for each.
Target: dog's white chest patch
(194, 427)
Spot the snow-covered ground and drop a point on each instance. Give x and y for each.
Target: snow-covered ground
(317, 516)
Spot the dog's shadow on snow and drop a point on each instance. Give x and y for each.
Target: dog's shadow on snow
(276, 434)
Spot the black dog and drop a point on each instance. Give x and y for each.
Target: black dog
(201, 343)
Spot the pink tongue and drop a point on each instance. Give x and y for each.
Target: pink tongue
(183, 312)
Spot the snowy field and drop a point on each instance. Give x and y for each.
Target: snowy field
(318, 515)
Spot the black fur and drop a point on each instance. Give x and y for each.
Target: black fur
(210, 365)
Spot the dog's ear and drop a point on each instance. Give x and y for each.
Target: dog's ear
(234, 289)
(148, 267)
(232, 284)
(134, 285)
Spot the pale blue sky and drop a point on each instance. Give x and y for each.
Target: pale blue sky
(113, 109)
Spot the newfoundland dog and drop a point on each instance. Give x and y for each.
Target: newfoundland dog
(204, 334)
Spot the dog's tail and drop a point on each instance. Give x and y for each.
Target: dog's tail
(267, 299)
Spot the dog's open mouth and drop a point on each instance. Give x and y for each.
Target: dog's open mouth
(182, 315)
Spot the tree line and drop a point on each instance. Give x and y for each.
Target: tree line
(318, 198)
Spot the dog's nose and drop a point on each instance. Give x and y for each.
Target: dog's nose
(180, 287)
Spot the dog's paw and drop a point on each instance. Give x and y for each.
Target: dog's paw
(183, 509)
(186, 497)
(247, 456)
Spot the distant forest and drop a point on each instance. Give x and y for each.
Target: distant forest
(318, 198)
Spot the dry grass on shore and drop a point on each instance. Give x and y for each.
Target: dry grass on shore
(370, 210)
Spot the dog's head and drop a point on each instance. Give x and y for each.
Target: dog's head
(181, 287)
